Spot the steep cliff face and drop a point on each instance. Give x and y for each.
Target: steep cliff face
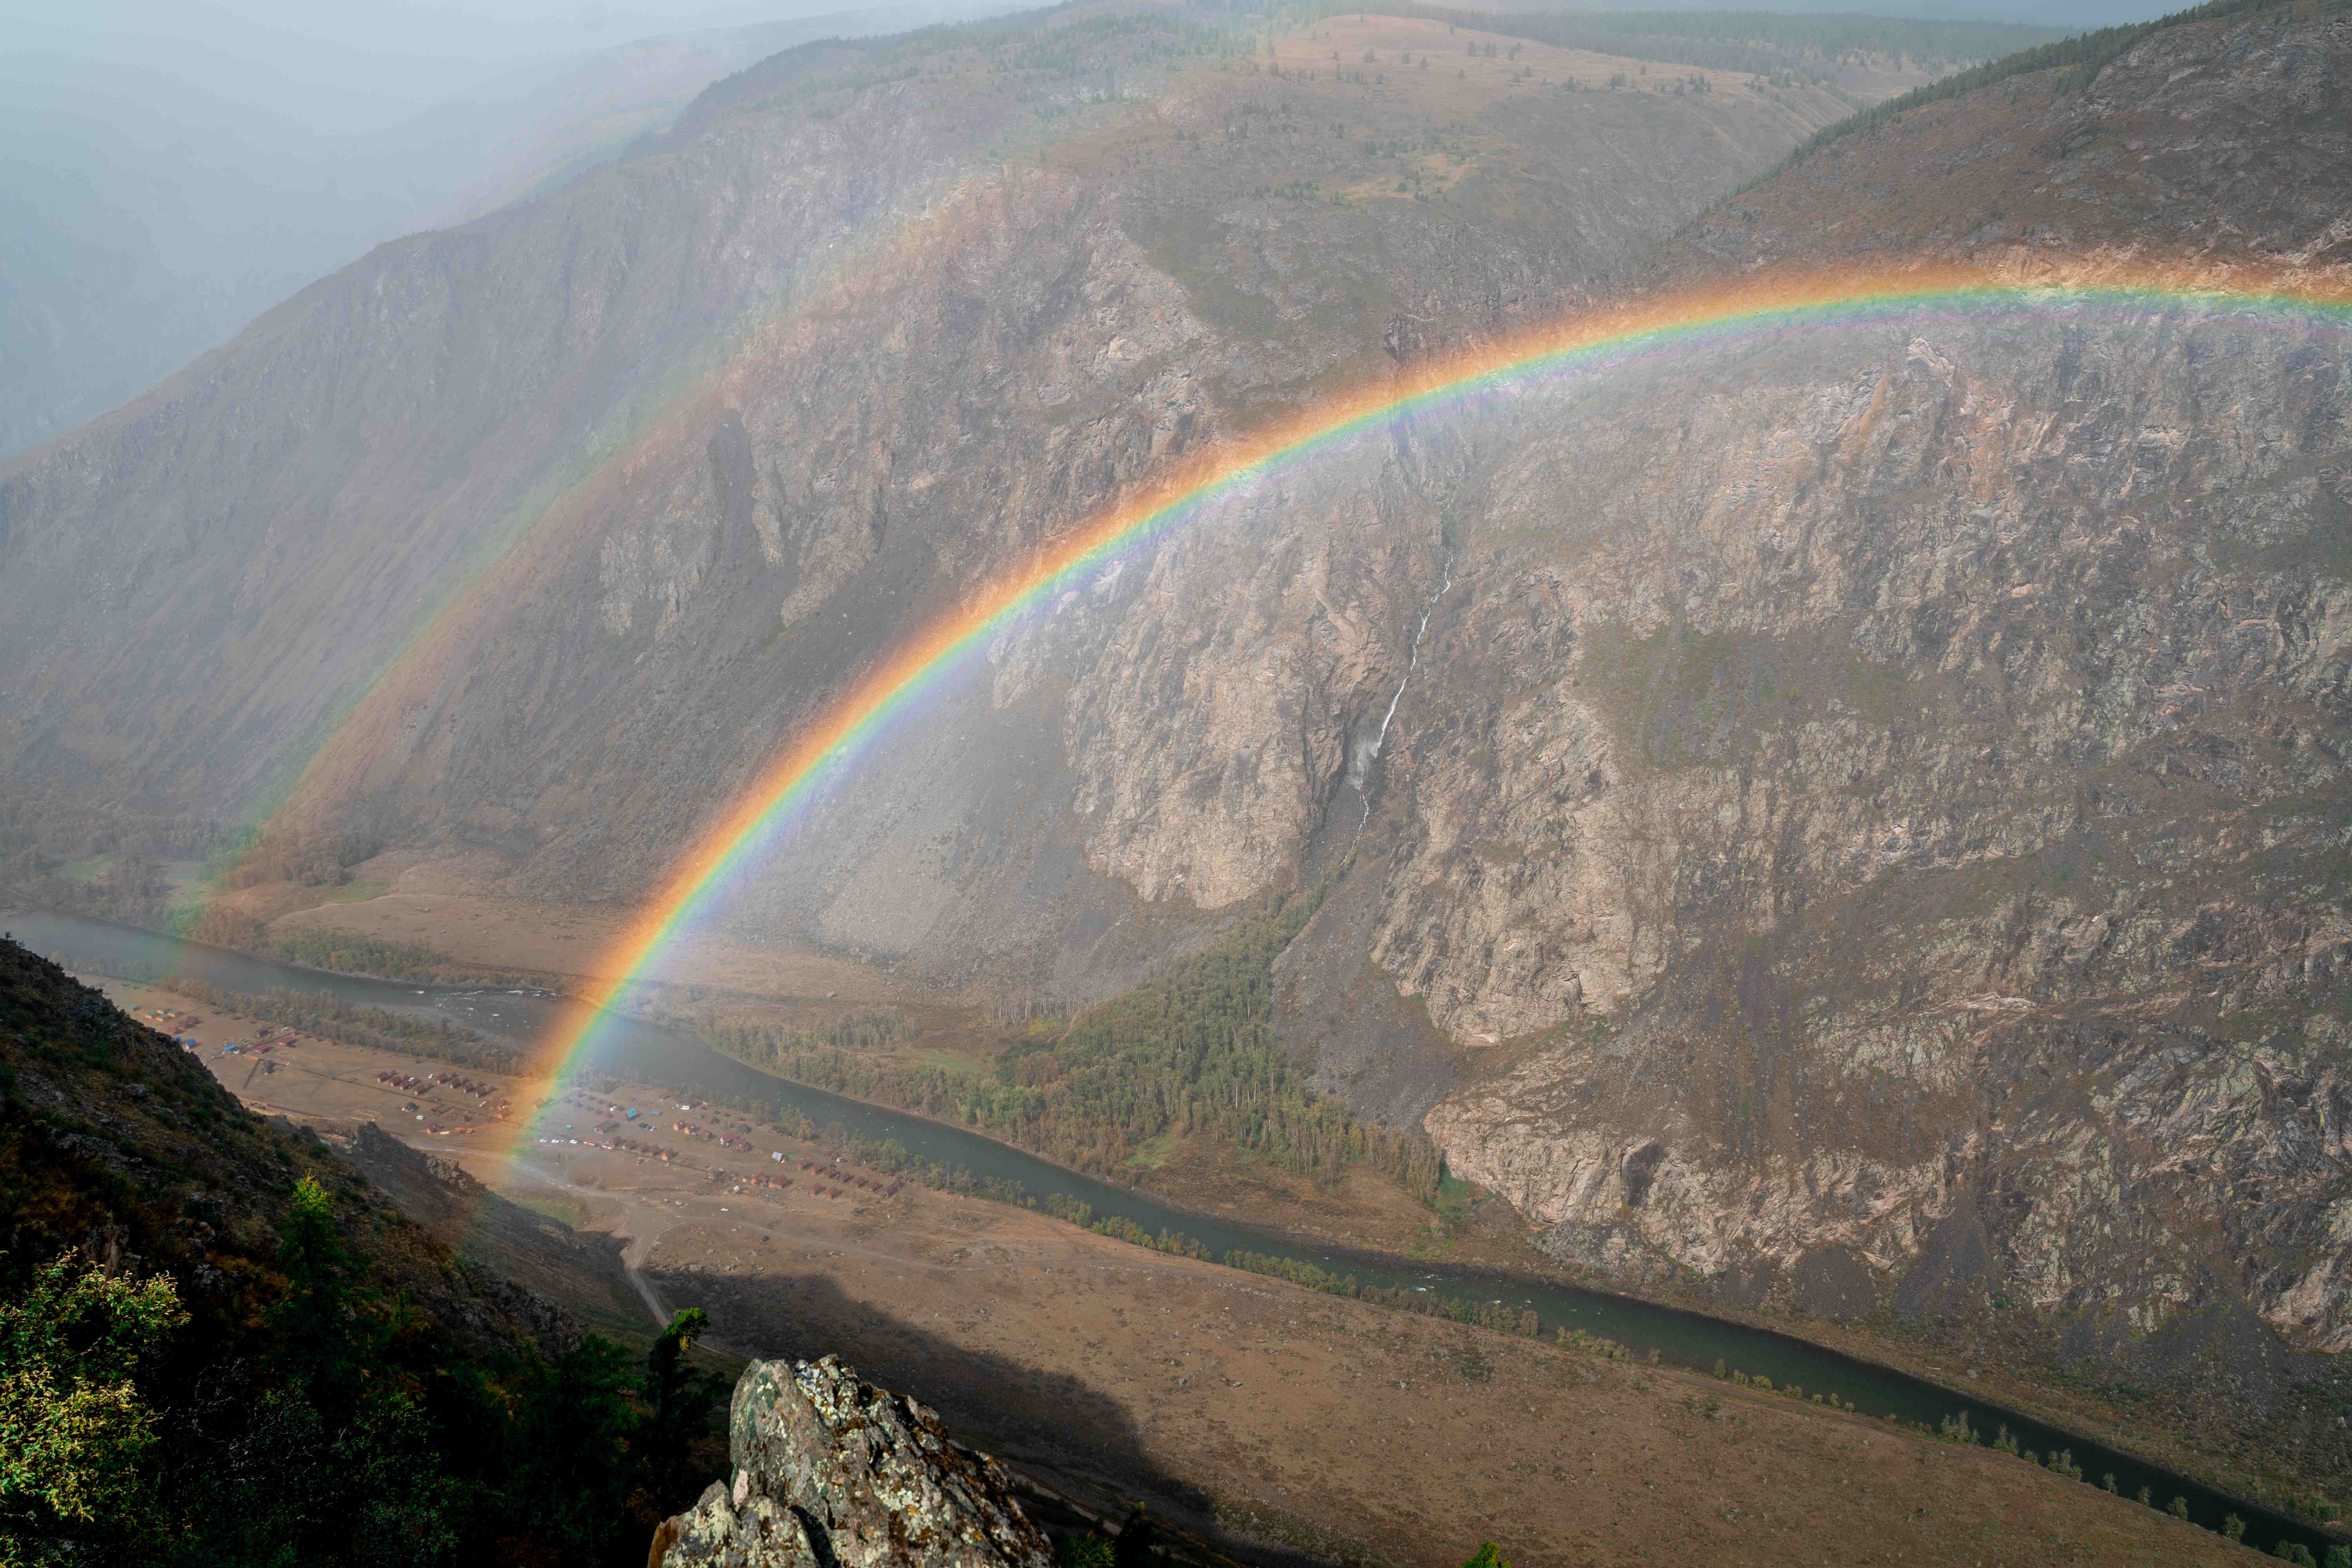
(1863, 834)
(1886, 788)
(454, 543)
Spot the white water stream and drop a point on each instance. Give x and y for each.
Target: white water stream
(1359, 766)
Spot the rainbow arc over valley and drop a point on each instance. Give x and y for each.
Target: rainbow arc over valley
(1580, 344)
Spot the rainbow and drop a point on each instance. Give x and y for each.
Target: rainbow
(833, 743)
(346, 748)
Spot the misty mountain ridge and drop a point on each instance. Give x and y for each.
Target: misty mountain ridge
(154, 218)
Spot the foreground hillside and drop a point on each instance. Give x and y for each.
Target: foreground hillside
(219, 1343)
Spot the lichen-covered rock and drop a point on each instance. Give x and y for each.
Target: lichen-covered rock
(829, 1469)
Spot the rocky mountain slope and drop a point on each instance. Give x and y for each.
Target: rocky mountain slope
(119, 1144)
(641, 470)
(1895, 826)
(1865, 823)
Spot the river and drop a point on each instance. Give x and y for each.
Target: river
(646, 1053)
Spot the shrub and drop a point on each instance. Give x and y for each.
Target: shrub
(2234, 1528)
(2295, 1552)
(74, 1430)
(2178, 1508)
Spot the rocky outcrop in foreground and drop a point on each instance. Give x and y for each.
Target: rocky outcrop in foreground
(829, 1469)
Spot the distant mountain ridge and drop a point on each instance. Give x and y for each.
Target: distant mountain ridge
(137, 241)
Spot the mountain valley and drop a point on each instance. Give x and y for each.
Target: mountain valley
(1796, 734)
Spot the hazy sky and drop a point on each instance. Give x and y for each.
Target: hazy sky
(341, 67)
(351, 66)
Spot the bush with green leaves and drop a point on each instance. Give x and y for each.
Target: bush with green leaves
(343, 1449)
(75, 1431)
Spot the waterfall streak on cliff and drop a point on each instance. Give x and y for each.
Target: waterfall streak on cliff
(1363, 766)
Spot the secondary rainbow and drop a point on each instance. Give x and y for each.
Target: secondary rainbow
(1697, 319)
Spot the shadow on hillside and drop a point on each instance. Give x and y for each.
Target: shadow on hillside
(1047, 1423)
(580, 1269)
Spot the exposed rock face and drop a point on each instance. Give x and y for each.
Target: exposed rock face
(831, 1472)
(731, 417)
(1924, 773)
(1909, 782)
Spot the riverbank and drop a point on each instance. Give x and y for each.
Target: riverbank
(2244, 1478)
(1695, 1342)
(1239, 1404)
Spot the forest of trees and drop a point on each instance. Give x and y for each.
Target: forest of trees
(331, 1017)
(768, 1043)
(248, 859)
(335, 1426)
(347, 953)
(1190, 1051)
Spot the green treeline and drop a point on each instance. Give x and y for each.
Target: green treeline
(315, 1013)
(891, 1157)
(854, 1032)
(1119, 1228)
(1190, 1051)
(248, 859)
(346, 953)
(1502, 1319)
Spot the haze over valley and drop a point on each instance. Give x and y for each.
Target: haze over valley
(1460, 737)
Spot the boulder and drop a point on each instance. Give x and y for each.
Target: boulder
(829, 1470)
